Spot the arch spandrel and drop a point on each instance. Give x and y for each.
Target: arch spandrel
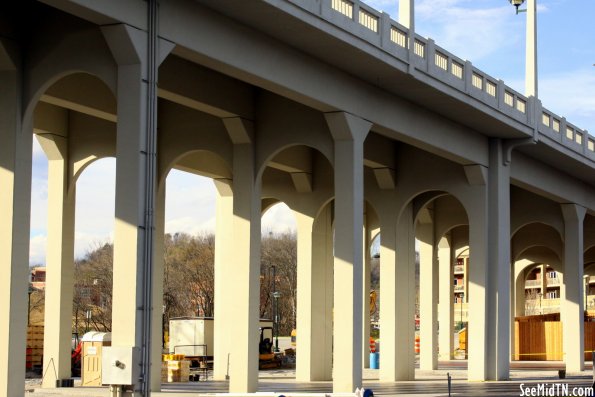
(536, 235)
(284, 124)
(64, 45)
(527, 208)
(307, 194)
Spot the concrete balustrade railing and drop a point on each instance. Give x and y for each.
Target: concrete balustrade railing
(377, 28)
(559, 129)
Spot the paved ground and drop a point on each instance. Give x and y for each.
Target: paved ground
(428, 383)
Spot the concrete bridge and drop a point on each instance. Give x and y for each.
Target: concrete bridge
(358, 125)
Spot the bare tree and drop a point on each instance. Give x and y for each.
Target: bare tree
(93, 280)
(280, 251)
(189, 282)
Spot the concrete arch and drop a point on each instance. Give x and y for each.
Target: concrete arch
(65, 45)
(541, 254)
(463, 253)
(527, 208)
(589, 232)
(299, 175)
(284, 124)
(372, 219)
(536, 235)
(589, 258)
(434, 174)
(459, 237)
(82, 133)
(292, 157)
(81, 167)
(449, 214)
(184, 131)
(267, 203)
(201, 162)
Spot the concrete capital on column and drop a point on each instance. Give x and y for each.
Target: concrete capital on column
(55, 147)
(345, 126)
(9, 55)
(476, 174)
(224, 187)
(573, 212)
(241, 131)
(129, 45)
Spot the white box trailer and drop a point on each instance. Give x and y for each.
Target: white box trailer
(193, 336)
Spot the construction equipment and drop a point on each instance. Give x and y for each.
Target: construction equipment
(266, 357)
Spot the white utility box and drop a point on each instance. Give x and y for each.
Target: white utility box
(191, 336)
(93, 343)
(120, 365)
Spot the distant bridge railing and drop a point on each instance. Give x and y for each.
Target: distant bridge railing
(379, 30)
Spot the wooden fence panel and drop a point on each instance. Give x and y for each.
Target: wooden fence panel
(589, 340)
(538, 341)
(542, 341)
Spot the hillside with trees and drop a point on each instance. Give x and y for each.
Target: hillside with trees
(188, 280)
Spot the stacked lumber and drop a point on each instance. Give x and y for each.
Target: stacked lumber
(34, 346)
(177, 371)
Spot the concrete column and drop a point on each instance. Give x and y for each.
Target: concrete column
(135, 201)
(349, 133)
(15, 208)
(405, 296)
(446, 320)
(388, 312)
(572, 303)
(158, 277)
(397, 286)
(499, 264)
(60, 261)
(223, 256)
(315, 296)
(130, 189)
(244, 260)
(489, 287)
(366, 280)
(428, 297)
(513, 304)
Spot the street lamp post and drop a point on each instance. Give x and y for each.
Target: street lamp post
(586, 285)
(29, 292)
(276, 295)
(531, 45)
(461, 310)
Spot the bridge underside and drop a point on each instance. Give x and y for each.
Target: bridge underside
(351, 155)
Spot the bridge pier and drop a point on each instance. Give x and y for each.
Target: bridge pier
(446, 299)
(59, 259)
(16, 134)
(572, 310)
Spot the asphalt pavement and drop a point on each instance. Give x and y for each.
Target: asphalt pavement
(528, 375)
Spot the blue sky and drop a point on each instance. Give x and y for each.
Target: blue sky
(486, 32)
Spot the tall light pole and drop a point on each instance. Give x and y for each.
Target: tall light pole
(276, 295)
(407, 19)
(530, 45)
(461, 310)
